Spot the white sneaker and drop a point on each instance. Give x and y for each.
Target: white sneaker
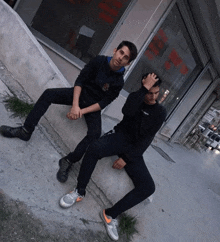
(69, 199)
(110, 224)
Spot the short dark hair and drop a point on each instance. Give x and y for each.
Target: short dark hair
(131, 47)
(157, 83)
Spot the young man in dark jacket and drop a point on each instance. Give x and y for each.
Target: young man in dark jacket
(97, 85)
(143, 117)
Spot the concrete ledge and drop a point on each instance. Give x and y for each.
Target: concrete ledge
(33, 69)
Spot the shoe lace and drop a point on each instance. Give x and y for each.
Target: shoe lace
(114, 222)
(65, 165)
(74, 194)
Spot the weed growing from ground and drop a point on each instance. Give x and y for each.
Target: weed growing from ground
(18, 107)
(127, 226)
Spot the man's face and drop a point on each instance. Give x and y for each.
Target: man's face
(120, 58)
(152, 95)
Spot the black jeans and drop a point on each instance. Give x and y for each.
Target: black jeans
(112, 144)
(64, 96)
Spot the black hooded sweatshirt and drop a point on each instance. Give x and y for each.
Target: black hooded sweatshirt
(99, 83)
(141, 121)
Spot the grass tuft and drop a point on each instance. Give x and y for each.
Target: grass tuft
(18, 107)
(127, 225)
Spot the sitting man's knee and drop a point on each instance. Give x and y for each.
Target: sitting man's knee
(97, 135)
(152, 188)
(94, 135)
(46, 94)
(149, 190)
(47, 91)
(95, 149)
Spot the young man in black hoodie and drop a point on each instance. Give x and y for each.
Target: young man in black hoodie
(143, 117)
(97, 85)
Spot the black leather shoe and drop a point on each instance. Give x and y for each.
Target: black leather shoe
(62, 174)
(18, 132)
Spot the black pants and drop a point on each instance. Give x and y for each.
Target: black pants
(64, 96)
(112, 144)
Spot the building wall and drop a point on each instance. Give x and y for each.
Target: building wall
(69, 71)
(24, 56)
(27, 9)
(137, 28)
(30, 65)
(195, 115)
(140, 22)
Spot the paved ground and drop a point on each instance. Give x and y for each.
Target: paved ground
(29, 191)
(185, 207)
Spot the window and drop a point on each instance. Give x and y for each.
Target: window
(80, 26)
(11, 2)
(172, 56)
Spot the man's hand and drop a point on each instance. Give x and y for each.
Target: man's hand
(119, 164)
(74, 113)
(150, 80)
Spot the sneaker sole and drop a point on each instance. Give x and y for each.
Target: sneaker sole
(61, 180)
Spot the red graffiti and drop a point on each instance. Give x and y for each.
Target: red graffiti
(110, 10)
(106, 18)
(177, 62)
(158, 43)
(174, 57)
(158, 46)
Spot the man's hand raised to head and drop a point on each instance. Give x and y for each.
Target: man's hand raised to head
(149, 80)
